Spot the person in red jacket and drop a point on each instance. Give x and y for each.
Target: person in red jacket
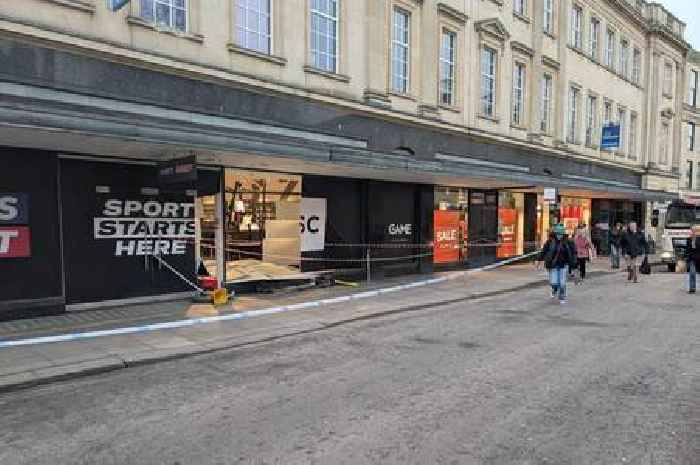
(584, 251)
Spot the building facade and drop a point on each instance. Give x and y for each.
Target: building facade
(690, 180)
(424, 132)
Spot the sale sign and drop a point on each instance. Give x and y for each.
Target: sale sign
(15, 242)
(446, 225)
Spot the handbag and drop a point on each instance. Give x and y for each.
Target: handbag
(645, 268)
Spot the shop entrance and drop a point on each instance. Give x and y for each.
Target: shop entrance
(483, 227)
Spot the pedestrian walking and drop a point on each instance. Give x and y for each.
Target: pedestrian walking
(633, 245)
(614, 239)
(693, 257)
(557, 257)
(584, 251)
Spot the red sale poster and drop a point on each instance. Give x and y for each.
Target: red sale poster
(446, 236)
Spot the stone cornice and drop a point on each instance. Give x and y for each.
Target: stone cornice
(452, 13)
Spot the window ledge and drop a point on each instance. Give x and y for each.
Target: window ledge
(550, 34)
(448, 107)
(80, 5)
(521, 17)
(233, 48)
(395, 93)
(519, 127)
(493, 119)
(136, 21)
(327, 74)
(668, 96)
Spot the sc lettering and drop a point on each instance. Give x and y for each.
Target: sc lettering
(9, 208)
(309, 224)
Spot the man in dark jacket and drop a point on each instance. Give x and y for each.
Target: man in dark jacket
(693, 257)
(558, 258)
(633, 245)
(614, 239)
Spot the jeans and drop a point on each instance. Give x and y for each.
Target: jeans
(632, 268)
(557, 278)
(614, 256)
(692, 276)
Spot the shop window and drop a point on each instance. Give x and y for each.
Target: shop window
(575, 212)
(451, 225)
(511, 219)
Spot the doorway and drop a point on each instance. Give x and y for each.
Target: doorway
(483, 227)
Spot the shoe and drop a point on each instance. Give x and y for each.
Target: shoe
(691, 292)
(553, 295)
(563, 302)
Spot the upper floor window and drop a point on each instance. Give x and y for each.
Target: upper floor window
(668, 79)
(488, 81)
(632, 153)
(622, 121)
(549, 16)
(171, 14)
(518, 94)
(637, 66)
(610, 49)
(624, 58)
(688, 184)
(520, 7)
(595, 38)
(324, 34)
(693, 88)
(546, 110)
(663, 143)
(400, 51)
(572, 125)
(591, 119)
(253, 25)
(607, 112)
(447, 67)
(576, 18)
(691, 137)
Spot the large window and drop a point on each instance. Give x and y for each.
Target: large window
(607, 112)
(668, 79)
(546, 110)
(253, 25)
(518, 94)
(595, 38)
(447, 67)
(591, 117)
(624, 58)
(576, 38)
(520, 7)
(691, 137)
(637, 66)
(622, 121)
(693, 88)
(171, 14)
(572, 125)
(632, 154)
(610, 49)
(488, 82)
(400, 51)
(688, 184)
(549, 16)
(324, 35)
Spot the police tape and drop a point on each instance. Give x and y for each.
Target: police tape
(428, 245)
(254, 313)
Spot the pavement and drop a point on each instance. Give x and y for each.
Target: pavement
(435, 375)
(34, 364)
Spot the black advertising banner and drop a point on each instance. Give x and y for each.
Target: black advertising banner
(30, 259)
(392, 218)
(178, 172)
(115, 220)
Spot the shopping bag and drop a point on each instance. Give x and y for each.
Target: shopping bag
(645, 268)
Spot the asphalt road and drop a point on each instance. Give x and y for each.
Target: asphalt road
(614, 377)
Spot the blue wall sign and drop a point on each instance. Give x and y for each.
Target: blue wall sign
(611, 137)
(116, 5)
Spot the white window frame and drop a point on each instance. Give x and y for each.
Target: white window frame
(572, 123)
(594, 38)
(576, 25)
(632, 153)
(448, 61)
(151, 16)
(546, 110)
(519, 86)
(520, 7)
(610, 48)
(549, 16)
(488, 81)
(636, 65)
(332, 58)
(624, 57)
(622, 121)
(400, 65)
(243, 29)
(591, 119)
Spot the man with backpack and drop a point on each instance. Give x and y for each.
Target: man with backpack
(634, 245)
(558, 257)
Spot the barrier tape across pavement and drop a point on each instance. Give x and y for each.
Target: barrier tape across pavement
(254, 313)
